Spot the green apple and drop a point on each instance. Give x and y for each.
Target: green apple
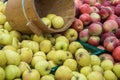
(57, 22)
(78, 76)
(50, 54)
(26, 55)
(15, 42)
(3, 59)
(13, 58)
(23, 66)
(31, 44)
(7, 26)
(86, 70)
(97, 68)
(30, 74)
(50, 16)
(82, 57)
(71, 34)
(43, 67)
(63, 73)
(95, 60)
(2, 18)
(62, 38)
(69, 55)
(109, 75)
(1, 26)
(16, 34)
(116, 70)
(5, 39)
(47, 77)
(59, 57)
(107, 64)
(3, 31)
(74, 46)
(38, 38)
(10, 47)
(71, 63)
(60, 45)
(40, 53)
(12, 72)
(36, 59)
(45, 46)
(95, 75)
(2, 74)
(46, 21)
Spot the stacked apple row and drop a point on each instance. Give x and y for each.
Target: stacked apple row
(98, 23)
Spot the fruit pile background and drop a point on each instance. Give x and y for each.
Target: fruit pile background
(60, 56)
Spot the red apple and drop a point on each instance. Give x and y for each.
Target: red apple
(94, 40)
(116, 53)
(85, 18)
(115, 2)
(118, 21)
(106, 3)
(118, 33)
(117, 10)
(85, 8)
(112, 17)
(110, 26)
(78, 3)
(95, 17)
(110, 43)
(98, 5)
(77, 25)
(95, 29)
(94, 9)
(90, 2)
(105, 56)
(83, 35)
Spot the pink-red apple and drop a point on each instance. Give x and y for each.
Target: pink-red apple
(115, 2)
(95, 17)
(94, 40)
(117, 10)
(116, 54)
(94, 9)
(90, 2)
(84, 35)
(117, 33)
(77, 25)
(78, 3)
(118, 21)
(112, 17)
(110, 43)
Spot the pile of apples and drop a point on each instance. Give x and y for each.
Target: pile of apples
(98, 23)
(50, 56)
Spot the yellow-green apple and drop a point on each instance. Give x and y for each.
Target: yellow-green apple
(23, 66)
(63, 73)
(97, 68)
(50, 54)
(16, 34)
(61, 45)
(47, 77)
(50, 16)
(3, 59)
(95, 29)
(82, 57)
(73, 46)
(40, 53)
(13, 58)
(94, 40)
(59, 57)
(85, 18)
(26, 55)
(2, 74)
(116, 69)
(38, 38)
(71, 34)
(86, 70)
(116, 54)
(84, 35)
(95, 17)
(71, 63)
(7, 26)
(95, 60)
(31, 74)
(46, 21)
(43, 46)
(77, 25)
(2, 18)
(107, 64)
(85, 8)
(69, 55)
(6, 47)
(43, 67)
(3, 31)
(95, 75)
(12, 72)
(109, 75)
(15, 42)
(110, 26)
(31, 44)
(5, 39)
(1, 26)
(110, 43)
(57, 22)
(62, 38)
(106, 56)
